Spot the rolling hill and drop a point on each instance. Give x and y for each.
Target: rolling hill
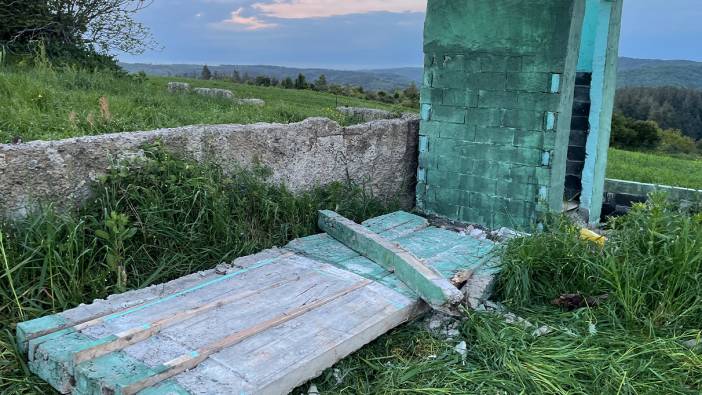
(632, 72)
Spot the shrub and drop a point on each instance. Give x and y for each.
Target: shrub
(674, 142)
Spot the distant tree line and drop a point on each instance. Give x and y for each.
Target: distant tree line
(408, 97)
(666, 119)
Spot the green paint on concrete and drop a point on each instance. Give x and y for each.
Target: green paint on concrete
(518, 58)
(603, 31)
(51, 356)
(425, 281)
(29, 329)
(110, 374)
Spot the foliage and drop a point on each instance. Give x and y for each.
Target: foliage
(630, 133)
(655, 168)
(674, 142)
(671, 108)
(206, 74)
(159, 218)
(650, 267)
(45, 103)
(74, 31)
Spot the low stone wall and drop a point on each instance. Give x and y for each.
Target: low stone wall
(380, 155)
(372, 114)
(620, 195)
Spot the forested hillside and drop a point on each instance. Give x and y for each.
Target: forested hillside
(671, 108)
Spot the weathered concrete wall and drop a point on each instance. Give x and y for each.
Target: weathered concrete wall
(381, 155)
(368, 114)
(496, 108)
(620, 195)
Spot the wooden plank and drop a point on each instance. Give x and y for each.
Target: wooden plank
(189, 361)
(429, 284)
(131, 336)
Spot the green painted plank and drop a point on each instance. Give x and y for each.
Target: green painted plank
(426, 281)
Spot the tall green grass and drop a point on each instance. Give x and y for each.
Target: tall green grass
(651, 267)
(655, 168)
(151, 221)
(43, 103)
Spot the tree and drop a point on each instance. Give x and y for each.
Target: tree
(631, 133)
(288, 83)
(99, 26)
(321, 83)
(206, 74)
(301, 82)
(411, 92)
(236, 77)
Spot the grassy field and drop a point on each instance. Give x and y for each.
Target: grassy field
(44, 104)
(655, 168)
(170, 218)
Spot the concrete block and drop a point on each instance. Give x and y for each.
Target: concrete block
(448, 114)
(488, 81)
(485, 116)
(528, 139)
(429, 95)
(497, 99)
(523, 119)
(460, 98)
(495, 135)
(500, 63)
(529, 82)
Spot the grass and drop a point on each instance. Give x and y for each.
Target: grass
(168, 217)
(40, 103)
(148, 224)
(651, 268)
(655, 169)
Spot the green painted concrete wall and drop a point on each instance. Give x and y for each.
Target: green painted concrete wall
(601, 49)
(496, 108)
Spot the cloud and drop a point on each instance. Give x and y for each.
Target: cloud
(301, 9)
(246, 23)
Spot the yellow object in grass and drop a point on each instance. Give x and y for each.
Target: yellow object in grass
(587, 234)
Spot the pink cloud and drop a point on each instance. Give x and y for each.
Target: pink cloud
(247, 23)
(300, 9)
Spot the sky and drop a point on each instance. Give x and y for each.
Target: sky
(362, 34)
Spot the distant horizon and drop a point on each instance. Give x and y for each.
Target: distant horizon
(342, 69)
(361, 34)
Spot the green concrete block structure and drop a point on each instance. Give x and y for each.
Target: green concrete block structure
(497, 102)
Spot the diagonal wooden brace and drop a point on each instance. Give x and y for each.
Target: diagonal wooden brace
(426, 281)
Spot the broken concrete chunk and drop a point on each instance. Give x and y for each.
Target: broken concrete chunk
(251, 102)
(176, 87)
(214, 92)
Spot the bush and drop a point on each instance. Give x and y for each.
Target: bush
(634, 134)
(674, 142)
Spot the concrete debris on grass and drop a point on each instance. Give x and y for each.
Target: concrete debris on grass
(442, 325)
(251, 102)
(177, 87)
(215, 92)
